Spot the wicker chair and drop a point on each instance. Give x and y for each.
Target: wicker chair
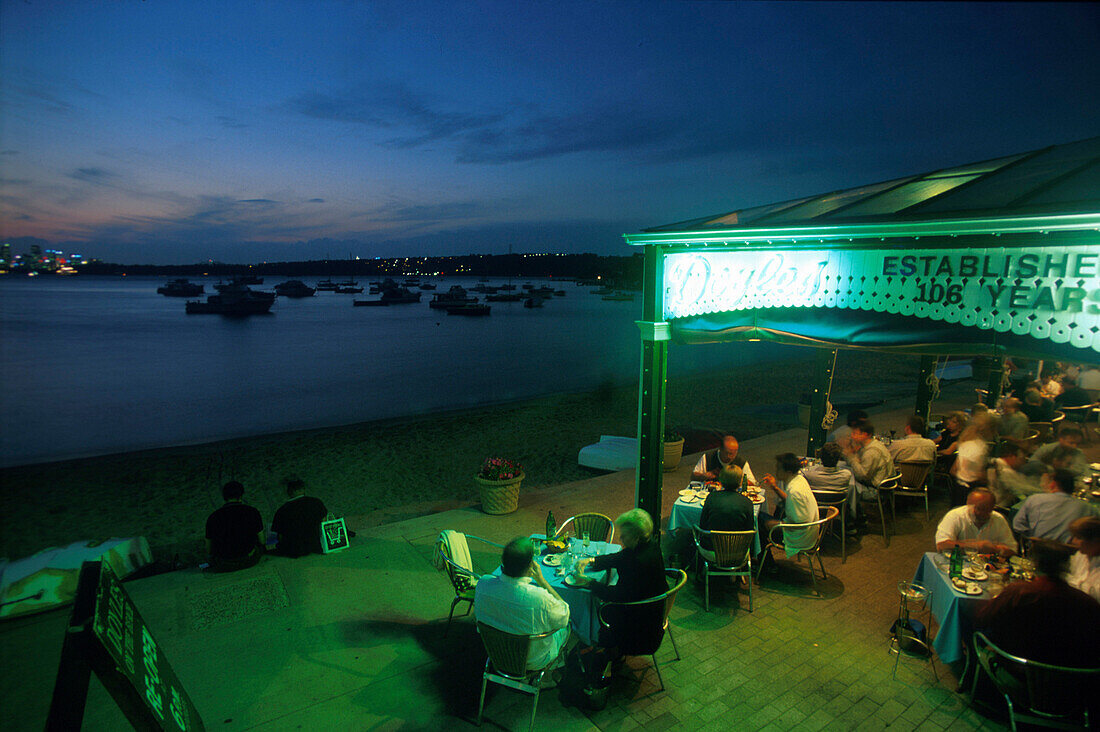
(453, 556)
(839, 499)
(775, 539)
(731, 556)
(648, 644)
(598, 526)
(507, 665)
(1038, 693)
(913, 482)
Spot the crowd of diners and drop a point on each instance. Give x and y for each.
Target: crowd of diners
(1008, 496)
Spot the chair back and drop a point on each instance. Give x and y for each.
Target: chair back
(645, 643)
(889, 484)
(453, 553)
(830, 498)
(827, 514)
(1044, 690)
(596, 525)
(731, 549)
(1046, 432)
(913, 473)
(1058, 417)
(1079, 414)
(507, 651)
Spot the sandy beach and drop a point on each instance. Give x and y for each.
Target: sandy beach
(379, 472)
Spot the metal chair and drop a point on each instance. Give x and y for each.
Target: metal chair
(644, 644)
(906, 635)
(731, 556)
(1038, 693)
(507, 665)
(839, 499)
(1046, 432)
(810, 553)
(1080, 415)
(598, 526)
(913, 482)
(887, 486)
(453, 556)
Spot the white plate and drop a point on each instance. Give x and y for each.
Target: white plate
(968, 588)
(690, 499)
(972, 575)
(572, 581)
(687, 492)
(552, 560)
(759, 498)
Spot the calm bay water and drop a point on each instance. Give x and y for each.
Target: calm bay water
(93, 366)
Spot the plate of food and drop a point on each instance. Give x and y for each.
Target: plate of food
(552, 560)
(692, 498)
(969, 588)
(972, 574)
(755, 497)
(573, 581)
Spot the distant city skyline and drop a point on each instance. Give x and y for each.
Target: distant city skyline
(164, 132)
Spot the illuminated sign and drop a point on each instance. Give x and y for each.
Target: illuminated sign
(1050, 293)
(120, 629)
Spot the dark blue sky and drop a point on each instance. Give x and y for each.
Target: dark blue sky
(167, 131)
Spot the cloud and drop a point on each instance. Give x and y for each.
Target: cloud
(95, 175)
(230, 122)
(9, 152)
(416, 118)
(316, 200)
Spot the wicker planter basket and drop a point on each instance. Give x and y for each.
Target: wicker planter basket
(499, 496)
(673, 452)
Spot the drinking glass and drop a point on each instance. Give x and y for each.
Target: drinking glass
(585, 539)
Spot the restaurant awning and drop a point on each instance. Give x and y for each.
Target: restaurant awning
(995, 258)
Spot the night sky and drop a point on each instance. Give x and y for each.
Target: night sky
(169, 131)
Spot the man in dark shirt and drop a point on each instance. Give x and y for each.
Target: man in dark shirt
(725, 510)
(234, 532)
(298, 521)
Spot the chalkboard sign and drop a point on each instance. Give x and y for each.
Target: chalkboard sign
(119, 627)
(334, 536)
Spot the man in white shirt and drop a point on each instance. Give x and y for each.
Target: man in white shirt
(800, 506)
(1084, 566)
(976, 526)
(1048, 515)
(914, 446)
(713, 462)
(521, 601)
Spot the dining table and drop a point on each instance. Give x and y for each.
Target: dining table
(688, 509)
(953, 609)
(583, 603)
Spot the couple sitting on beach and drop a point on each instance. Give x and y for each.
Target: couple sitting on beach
(235, 532)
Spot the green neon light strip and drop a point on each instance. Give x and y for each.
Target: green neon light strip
(957, 227)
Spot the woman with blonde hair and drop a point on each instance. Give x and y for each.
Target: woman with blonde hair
(972, 456)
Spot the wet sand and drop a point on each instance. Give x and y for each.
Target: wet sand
(379, 472)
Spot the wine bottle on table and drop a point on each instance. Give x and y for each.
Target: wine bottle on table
(551, 527)
(956, 562)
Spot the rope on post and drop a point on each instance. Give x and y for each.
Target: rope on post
(829, 418)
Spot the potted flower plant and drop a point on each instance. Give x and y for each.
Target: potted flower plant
(674, 449)
(498, 480)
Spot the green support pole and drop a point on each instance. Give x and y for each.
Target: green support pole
(652, 386)
(925, 393)
(996, 380)
(824, 365)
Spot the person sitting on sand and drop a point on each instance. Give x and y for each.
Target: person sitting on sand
(713, 462)
(298, 521)
(234, 532)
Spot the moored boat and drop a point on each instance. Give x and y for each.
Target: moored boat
(235, 298)
(294, 288)
(181, 288)
(326, 285)
(455, 296)
(469, 309)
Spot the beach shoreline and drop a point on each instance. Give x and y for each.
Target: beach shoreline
(393, 469)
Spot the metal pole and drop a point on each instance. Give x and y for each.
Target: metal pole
(652, 386)
(925, 387)
(819, 398)
(996, 381)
